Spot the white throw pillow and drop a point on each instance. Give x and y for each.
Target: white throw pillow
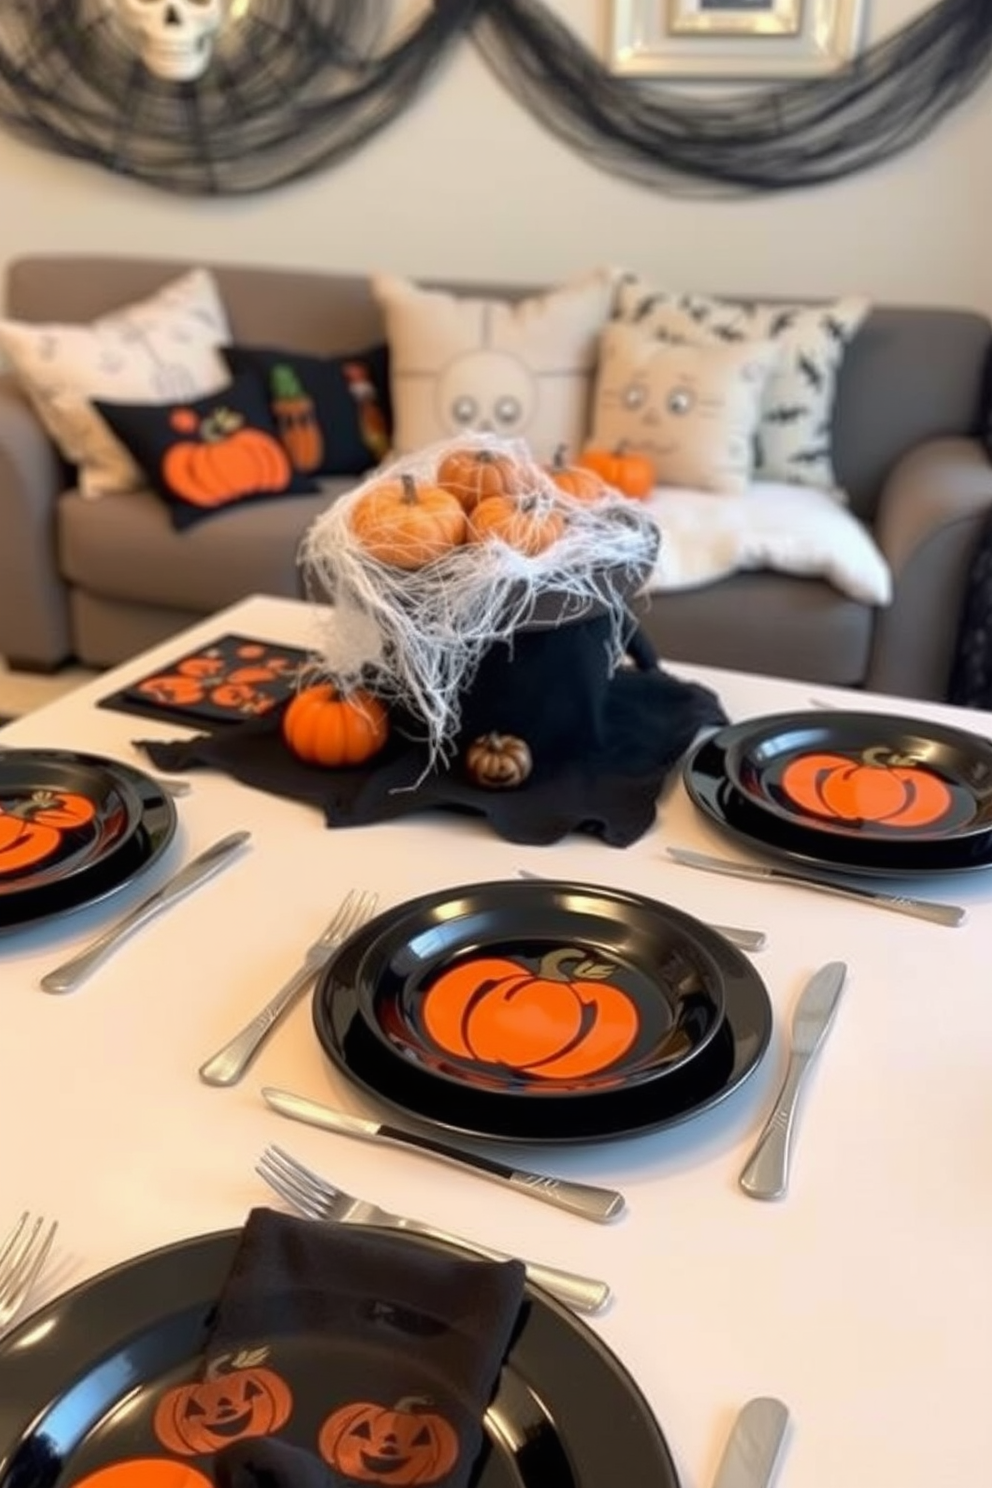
(522, 369)
(794, 437)
(159, 350)
(790, 529)
(693, 410)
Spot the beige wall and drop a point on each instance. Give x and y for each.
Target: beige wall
(468, 184)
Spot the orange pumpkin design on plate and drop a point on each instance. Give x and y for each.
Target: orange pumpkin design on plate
(33, 829)
(238, 1397)
(408, 1442)
(879, 786)
(223, 459)
(145, 1472)
(552, 1023)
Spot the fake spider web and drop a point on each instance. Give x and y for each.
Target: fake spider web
(417, 636)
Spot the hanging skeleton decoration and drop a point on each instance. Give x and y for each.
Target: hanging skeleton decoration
(174, 38)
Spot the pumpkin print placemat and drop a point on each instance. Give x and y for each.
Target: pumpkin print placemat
(231, 679)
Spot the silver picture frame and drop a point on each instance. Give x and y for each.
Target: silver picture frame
(723, 40)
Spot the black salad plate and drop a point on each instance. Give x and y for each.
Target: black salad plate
(80, 1381)
(864, 776)
(711, 790)
(153, 831)
(471, 1109)
(59, 817)
(540, 991)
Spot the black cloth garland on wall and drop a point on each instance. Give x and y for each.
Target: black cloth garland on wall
(296, 86)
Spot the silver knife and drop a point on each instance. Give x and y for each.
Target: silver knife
(578, 1198)
(766, 1173)
(66, 978)
(744, 940)
(923, 909)
(752, 1448)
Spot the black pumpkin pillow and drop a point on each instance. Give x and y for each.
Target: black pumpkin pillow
(332, 413)
(206, 455)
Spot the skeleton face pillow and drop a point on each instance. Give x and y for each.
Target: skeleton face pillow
(174, 38)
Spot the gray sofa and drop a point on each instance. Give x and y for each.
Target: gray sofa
(100, 580)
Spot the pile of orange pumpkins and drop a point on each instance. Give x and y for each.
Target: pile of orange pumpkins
(478, 492)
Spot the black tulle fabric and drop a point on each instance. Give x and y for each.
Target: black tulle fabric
(296, 86)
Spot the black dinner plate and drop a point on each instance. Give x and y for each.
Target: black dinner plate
(59, 817)
(540, 991)
(864, 776)
(80, 1379)
(728, 1059)
(709, 787)
(155, 830)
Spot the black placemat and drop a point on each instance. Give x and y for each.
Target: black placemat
(610, 791)
(224, 682)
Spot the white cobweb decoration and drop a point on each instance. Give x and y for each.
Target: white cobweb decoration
(415, 635)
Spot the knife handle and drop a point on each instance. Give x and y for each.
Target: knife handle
(578, 1198)
(66, 978)
(766, 1173)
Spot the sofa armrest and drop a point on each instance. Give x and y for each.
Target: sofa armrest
(930, 517)
(34, 609)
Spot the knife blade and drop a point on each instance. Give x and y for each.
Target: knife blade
(766, 1172)
(578, 1198)
(922, 909)
(68, 976)
(752, 1448)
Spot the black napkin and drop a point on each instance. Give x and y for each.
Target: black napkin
(374, 1359)
(603, 745)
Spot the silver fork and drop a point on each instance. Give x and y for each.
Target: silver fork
(22, 1256)
(227, 1066)
(314, 1197)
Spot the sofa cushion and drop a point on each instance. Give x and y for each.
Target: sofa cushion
(795, 436)
(693, 410)
(125, 548)
(204, 455)
(520, 368)
(160, 348)
(333, 414)
(768, 623)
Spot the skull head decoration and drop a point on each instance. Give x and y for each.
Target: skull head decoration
(174, 38)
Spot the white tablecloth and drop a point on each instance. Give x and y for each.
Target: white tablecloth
(864, 1299)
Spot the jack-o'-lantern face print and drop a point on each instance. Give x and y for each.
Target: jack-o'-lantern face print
(238, 1397)
(33, 828)
(564, 1020)
(408, 1442)
(245, 681)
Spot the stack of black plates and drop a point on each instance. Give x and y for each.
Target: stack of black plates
(848, 791)
(73, 829)
(542, 1011)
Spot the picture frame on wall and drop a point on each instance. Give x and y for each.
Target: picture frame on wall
(724, 40)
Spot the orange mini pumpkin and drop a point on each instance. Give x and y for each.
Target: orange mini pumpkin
(238, 1398)
(406, 1443)
(325, 726)
(549, 1023)
(472, 474)
(622, 468)
(577, 481)
(226, 462)
(406, 523)
(530, 524)
(892, 790)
